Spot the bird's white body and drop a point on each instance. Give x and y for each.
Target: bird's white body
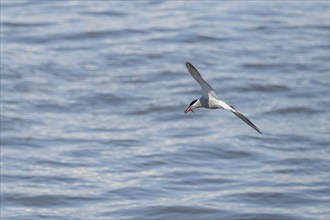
(210, 100)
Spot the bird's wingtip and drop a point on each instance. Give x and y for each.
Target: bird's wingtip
(190, 67)
(258, 130)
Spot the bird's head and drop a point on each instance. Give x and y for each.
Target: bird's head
(193, 104)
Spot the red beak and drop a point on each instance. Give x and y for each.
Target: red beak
(188, 109)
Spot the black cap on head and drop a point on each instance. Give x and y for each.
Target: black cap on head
(193, 102)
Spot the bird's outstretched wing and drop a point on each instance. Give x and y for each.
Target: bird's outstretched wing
(197, 76)
(246, 120)
(238, 114)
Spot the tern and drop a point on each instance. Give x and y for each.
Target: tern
(210, 100)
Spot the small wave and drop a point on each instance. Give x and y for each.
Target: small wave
(298, 27)
(105, 13)
(99, 99)
(215, 153)
(293, 110)
(26, 24)
(170, 211)
(159, 108)
(263, 88)
(209, 38)
(44, 200)
(282, 67)
(51, 107)
(196, 38)
(40, 179)
(86, 35)
(259, 27)
(101, 34)
(262, 216)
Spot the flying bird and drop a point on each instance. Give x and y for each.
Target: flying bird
(210, 100)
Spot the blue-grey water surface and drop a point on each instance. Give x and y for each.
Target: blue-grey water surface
(92, 101)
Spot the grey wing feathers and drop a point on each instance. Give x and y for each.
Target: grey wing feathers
(246, 120)
(197, 76)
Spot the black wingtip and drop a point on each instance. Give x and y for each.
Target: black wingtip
(190, 66)
(246, 120)
(256, 128)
